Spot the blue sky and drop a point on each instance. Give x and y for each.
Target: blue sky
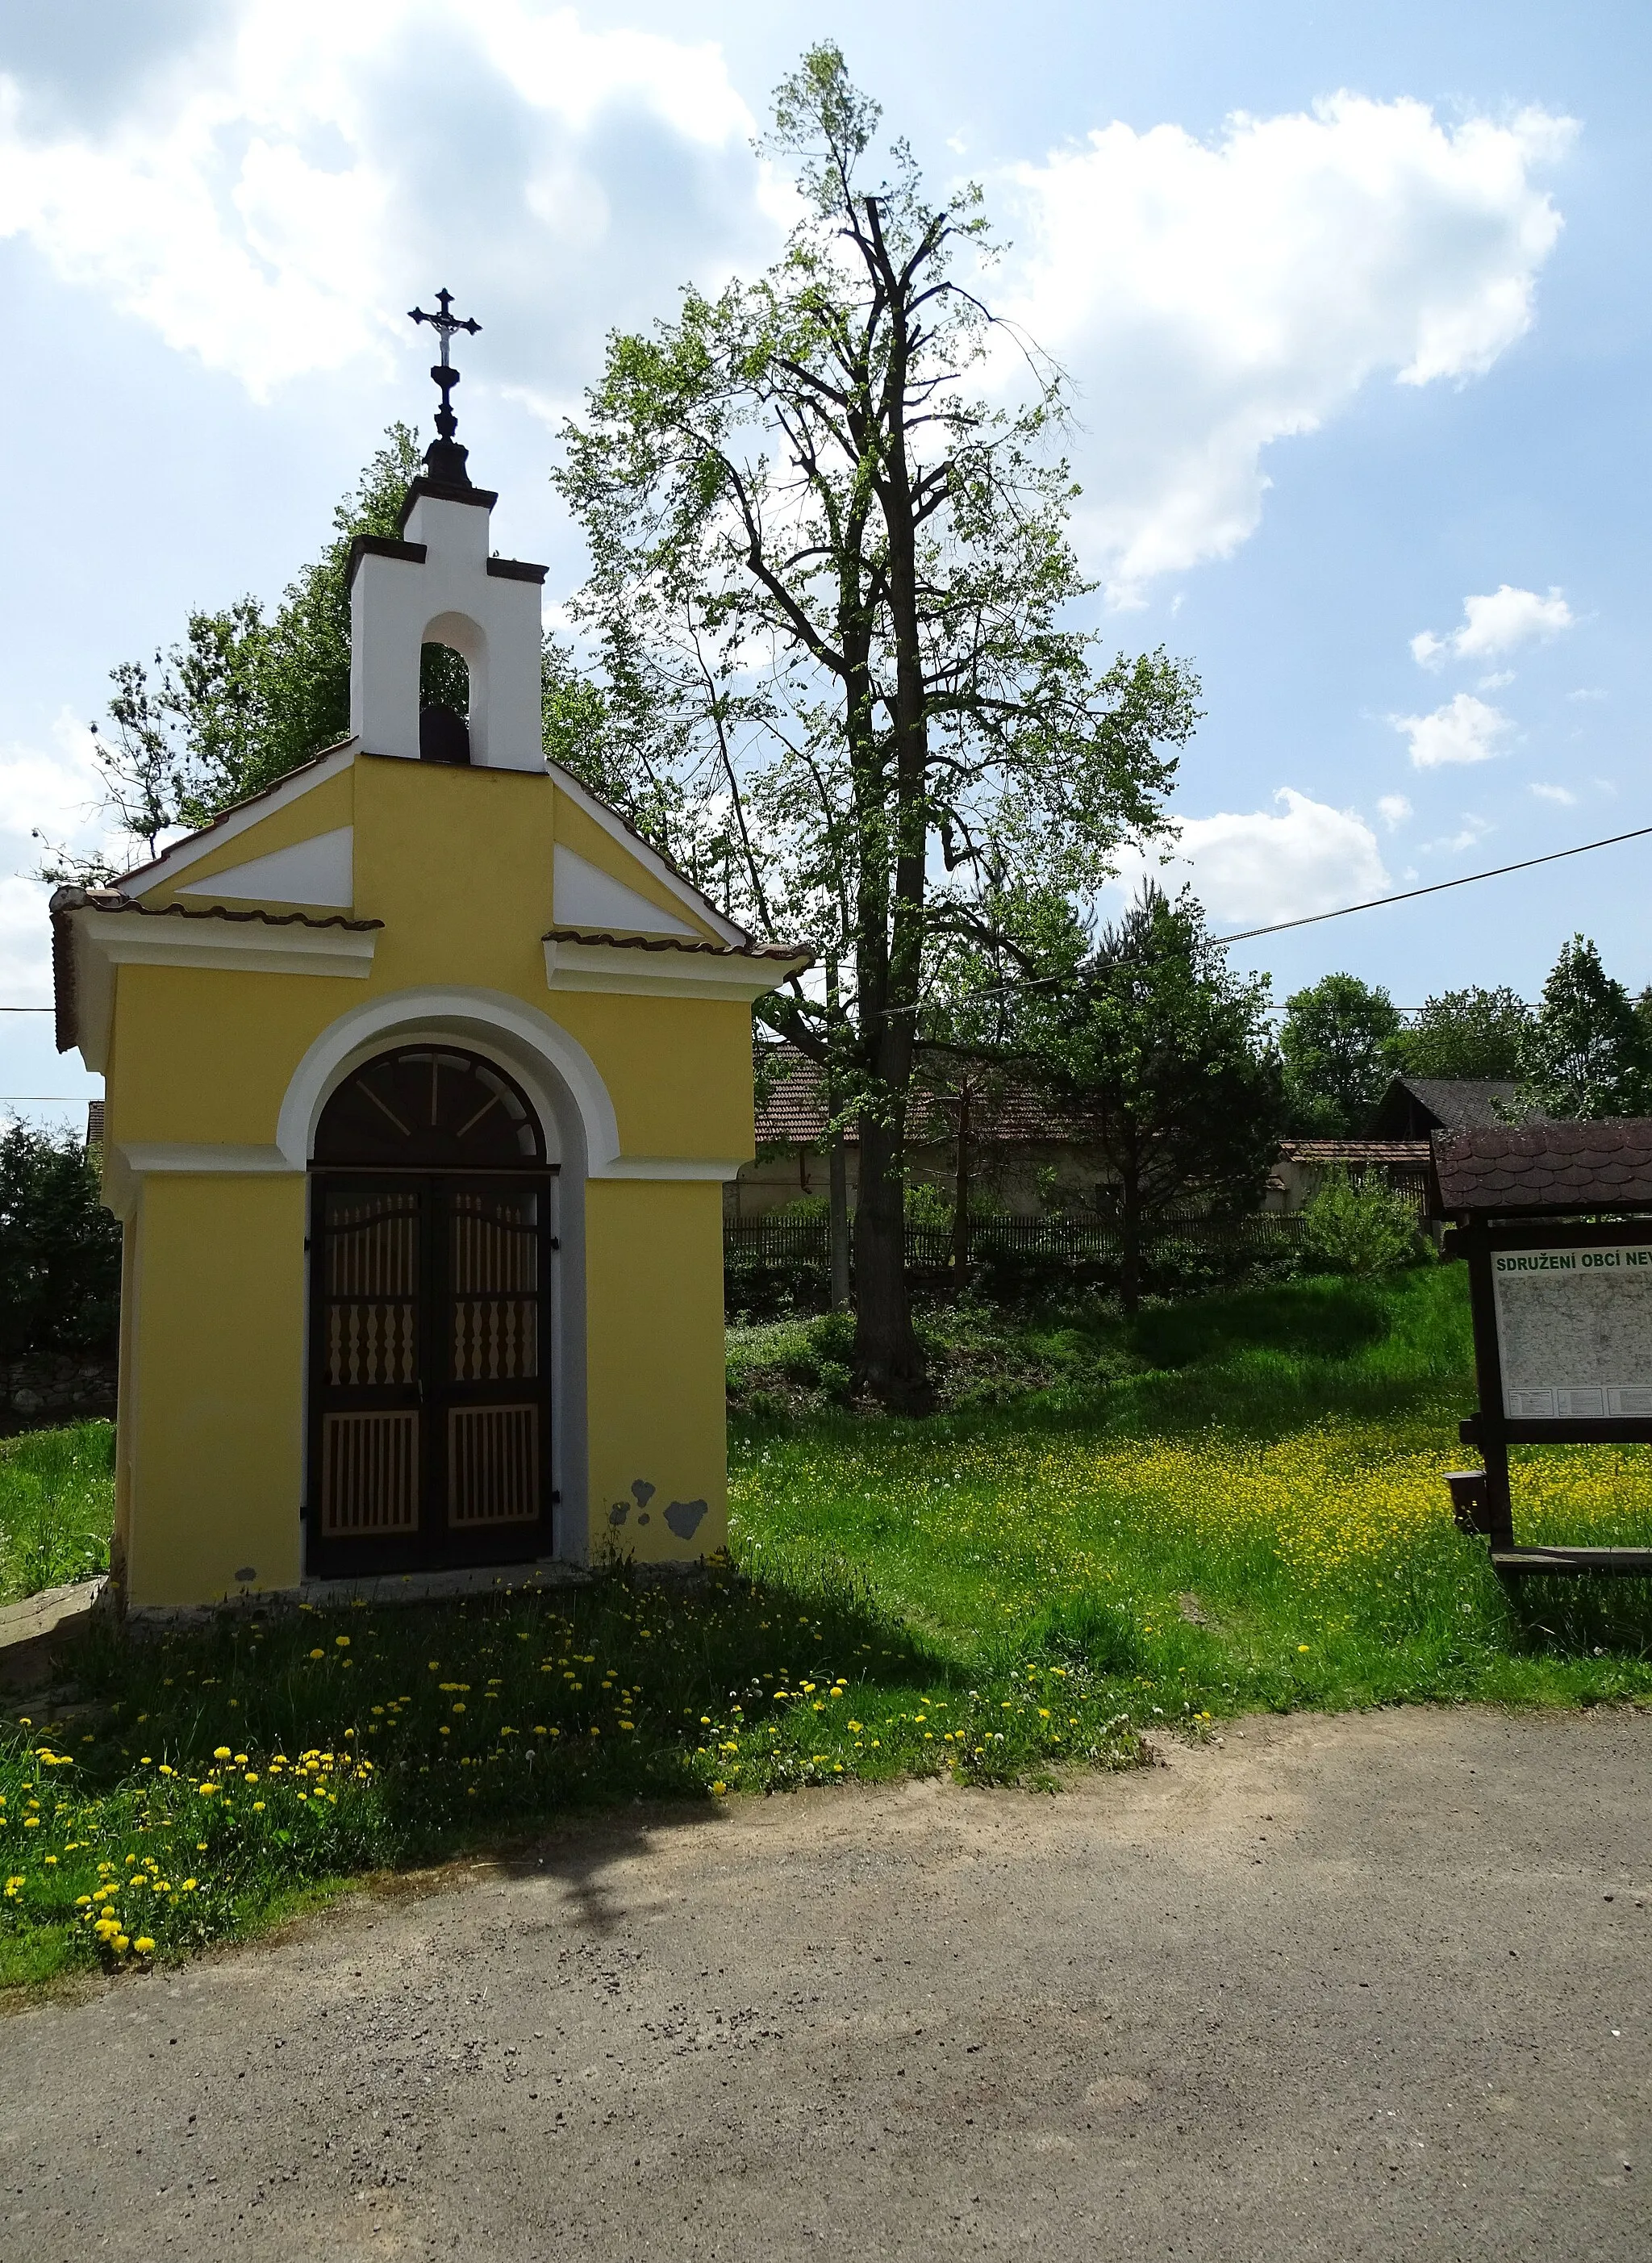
(1354, 300)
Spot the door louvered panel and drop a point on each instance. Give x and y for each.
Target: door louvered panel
(493, 1276)
(370, 1474)
(371, 1292)
(492, 1465)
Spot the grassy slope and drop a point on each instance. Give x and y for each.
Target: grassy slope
(57, 1503)
(1250, 1511)
(1229, 1504)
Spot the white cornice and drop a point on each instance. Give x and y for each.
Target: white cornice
(252, 947)
(662, 973)
(146, 1155)
(101, 941)
(669, 1167)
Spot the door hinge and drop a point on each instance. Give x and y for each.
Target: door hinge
(555, 1497)
(554, 1240)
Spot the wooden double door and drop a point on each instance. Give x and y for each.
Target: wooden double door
(429, 1385)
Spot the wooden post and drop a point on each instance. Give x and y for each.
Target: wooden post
(1488, 1428)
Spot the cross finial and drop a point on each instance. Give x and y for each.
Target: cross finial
(444, 321)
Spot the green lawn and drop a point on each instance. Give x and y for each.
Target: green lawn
(1228, 1504)
(57, 1502)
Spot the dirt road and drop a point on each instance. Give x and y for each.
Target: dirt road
(1372, 1987)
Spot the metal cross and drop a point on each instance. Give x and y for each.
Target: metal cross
(444, 321)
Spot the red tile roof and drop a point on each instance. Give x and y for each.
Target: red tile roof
(1410, 1153)
(748, 950)
(792, 1111)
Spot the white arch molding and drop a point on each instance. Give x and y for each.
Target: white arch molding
(554, 1069)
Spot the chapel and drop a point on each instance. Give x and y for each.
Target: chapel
(424, 1073)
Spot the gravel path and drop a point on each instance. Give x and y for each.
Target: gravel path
(1335, 1989)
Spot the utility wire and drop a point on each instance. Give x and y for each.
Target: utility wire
(1375, 903)
(1313, 919)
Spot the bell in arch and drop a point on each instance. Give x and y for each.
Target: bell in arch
(444, 702)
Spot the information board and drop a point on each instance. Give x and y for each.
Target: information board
(1575, 1332)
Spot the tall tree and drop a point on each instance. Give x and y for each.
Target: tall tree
(832, 591)
(1465, 1033)
(1164, 1055)
(1586, 1052)
(245, 696)
(1340, 1047)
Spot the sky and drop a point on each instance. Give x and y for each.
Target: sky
(1354, 300)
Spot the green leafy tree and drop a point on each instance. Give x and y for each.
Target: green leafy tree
(60, 1248)
(1164, 1055)
(1340, 1047)
(1586, 1050)
(831, 595)
(245, 697)
(1465, 1033)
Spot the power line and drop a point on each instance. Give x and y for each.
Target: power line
(1375, 903)
(28, 1010)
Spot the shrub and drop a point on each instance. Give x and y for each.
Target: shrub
(1358, 1226)
(59, 1249)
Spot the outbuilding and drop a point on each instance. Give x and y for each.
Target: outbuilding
(424, 1075)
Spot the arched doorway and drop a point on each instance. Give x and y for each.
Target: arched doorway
(431, 1245)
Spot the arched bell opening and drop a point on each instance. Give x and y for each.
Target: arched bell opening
(433, 1245)
(444, 704)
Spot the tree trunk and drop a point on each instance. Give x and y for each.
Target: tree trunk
(837, 1165)
(839, 1203)
(1130, 1239)
(888, 1361)
(961, 1196)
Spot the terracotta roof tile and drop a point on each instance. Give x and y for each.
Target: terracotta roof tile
(1533, 1169)
(1412, 1154)
(784, 950)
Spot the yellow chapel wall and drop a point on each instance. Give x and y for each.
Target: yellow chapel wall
(215, 1410)
(655, 1368)
(457, 863)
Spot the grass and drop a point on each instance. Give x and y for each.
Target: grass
(57, 1501)
(1229, 1504)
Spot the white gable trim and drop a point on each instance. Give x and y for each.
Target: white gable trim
(318, 870)
(183, 854)
(649, 858)
(586, 896)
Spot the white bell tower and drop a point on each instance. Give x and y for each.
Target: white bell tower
(438, 585)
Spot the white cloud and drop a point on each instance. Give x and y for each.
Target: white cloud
(1494, 624)
(1464, 730)
(1500, 679)
(1559, 793)
(1211, 299)
(274, 197)
(1473, 829)
(1393, 809)
(1275, 865)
